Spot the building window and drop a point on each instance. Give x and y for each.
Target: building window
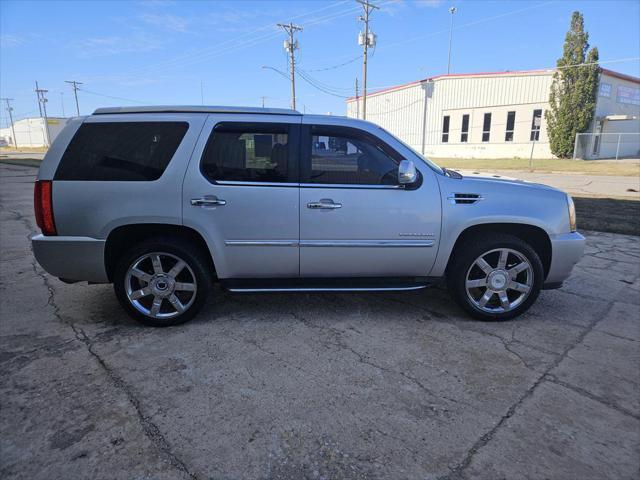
(535, 125)
(445, 129)
(464, 136)
(511, 121)
(486, 127)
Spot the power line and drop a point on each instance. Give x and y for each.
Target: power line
(326, 85)
(311, 82)
(239, 42)
(335, 66)
(464, 25)
(114, 97)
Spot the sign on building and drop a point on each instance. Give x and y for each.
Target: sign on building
(605, 90)
(628, 95)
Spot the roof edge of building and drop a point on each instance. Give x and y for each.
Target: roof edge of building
(622, 76)
(547, 71)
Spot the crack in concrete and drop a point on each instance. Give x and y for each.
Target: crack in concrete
(621, 337)
(457, 471)
(365, 359)
(149, 428)
(43, 348)
(585, 393)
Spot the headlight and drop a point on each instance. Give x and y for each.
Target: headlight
(572, 214)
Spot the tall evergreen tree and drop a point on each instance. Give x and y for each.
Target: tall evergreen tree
(574, 90)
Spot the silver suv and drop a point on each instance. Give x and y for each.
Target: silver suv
(164, 201)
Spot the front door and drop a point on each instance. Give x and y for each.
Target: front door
(241, 192)
(355, 218)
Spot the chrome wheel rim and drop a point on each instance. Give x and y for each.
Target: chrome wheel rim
(499, 280)
(160, 285)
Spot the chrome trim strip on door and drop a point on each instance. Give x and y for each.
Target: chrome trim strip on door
(328, 289)
(367, 243)
(348, 185)
(255, 184)
(261, 243)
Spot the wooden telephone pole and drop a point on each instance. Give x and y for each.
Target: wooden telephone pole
(291, 45)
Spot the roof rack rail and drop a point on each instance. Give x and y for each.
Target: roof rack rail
(196, 109)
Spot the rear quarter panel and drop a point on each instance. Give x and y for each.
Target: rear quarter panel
(95, 208)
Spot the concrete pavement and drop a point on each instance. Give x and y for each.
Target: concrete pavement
(323, 386)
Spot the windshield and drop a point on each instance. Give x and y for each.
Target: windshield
(432, 165)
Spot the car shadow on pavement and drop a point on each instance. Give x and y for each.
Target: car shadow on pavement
(608, 215)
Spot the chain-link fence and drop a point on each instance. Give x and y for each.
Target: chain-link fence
(594, 146)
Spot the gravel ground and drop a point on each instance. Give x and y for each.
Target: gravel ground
(340, 386)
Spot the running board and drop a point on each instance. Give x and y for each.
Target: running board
(324, 285)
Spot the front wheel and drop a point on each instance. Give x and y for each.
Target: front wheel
(495, 277)
(162, 282)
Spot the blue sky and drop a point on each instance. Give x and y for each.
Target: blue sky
(159, 52)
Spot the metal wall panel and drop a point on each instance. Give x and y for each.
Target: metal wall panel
(415, 113)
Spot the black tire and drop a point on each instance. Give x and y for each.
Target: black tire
(464, 257)
(198, 267)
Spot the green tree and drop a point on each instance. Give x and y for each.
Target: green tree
(574, 90)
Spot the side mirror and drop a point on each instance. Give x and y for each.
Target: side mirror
(407, 173)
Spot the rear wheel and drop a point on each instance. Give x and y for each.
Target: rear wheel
(162, 282)
(495, 277)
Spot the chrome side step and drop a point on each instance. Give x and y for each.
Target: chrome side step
(320, 284)
(326, 289)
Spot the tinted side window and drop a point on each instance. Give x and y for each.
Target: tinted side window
(346, 156)
(247, 152)
(121, 151)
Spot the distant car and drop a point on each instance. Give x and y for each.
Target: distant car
(164, 201)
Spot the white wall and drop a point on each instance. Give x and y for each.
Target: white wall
(415, 113)
(30, 132)
(613, 104)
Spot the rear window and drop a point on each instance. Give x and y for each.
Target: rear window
(121, 151)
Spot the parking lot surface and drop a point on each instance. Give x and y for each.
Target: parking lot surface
(332, 386)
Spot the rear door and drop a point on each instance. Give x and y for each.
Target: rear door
(355, 218)
(241, 193)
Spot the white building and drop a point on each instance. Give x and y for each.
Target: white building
(31, 132)
(497, 114)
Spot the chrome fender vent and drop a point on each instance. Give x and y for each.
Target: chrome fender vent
(464, 198)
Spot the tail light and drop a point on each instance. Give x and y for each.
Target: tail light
(43, 206)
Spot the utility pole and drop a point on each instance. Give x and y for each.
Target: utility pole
(368, 39)
(291, 45)
(39, 105)
(357, 100)
(42, 99)
(263, 99)
(452, 11)
(62, 103)
(13, 130)
(75, 92)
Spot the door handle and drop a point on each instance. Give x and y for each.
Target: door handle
(325, 203)
(207, 201)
